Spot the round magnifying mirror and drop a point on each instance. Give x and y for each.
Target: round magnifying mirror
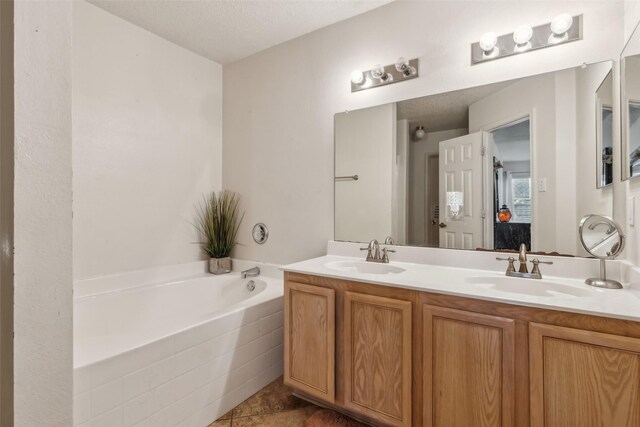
(602, 237)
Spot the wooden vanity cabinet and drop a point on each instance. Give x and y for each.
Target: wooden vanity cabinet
(309, 341)
(377, 357)
(583, 378)
(469, 368)
(397, 357)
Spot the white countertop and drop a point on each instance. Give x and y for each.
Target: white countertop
(556, 293)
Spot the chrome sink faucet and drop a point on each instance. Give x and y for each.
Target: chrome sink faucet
(523, 270)
(373, 252)
(252, 272)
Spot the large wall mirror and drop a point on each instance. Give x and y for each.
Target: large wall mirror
(630, 98)
(488, 167)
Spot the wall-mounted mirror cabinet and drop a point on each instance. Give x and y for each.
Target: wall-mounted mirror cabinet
(630, 98)
(488, 167)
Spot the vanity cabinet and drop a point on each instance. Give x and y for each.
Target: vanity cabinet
(469, 368)
(399, 357)
(583, 378)
(377, 357)
(309, 341)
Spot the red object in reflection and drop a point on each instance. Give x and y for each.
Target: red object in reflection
(504, 214)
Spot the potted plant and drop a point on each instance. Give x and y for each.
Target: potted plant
(218, 222)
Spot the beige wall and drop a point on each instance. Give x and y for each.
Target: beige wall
(279, 104)
(147, 144)
(43, 280)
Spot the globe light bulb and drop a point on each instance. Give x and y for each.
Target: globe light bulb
(420, 133)
(561, 24)
(378, 72)
(522, 35)
(488, 42)
(357, 77)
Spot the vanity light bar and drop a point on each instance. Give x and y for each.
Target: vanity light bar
(384, 75)
(563, 29)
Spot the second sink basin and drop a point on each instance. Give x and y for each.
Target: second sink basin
(363, 267)
(533, 287)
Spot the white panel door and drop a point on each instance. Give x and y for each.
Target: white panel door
(461, 170)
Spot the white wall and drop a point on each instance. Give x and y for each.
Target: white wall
(418, 150)
(147, 142)
(279, 104)
(43, 280)
(365, 142)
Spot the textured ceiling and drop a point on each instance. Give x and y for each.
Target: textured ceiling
(445, 111)
(228, 30)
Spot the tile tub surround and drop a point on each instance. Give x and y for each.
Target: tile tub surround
(189, 378)
(276, 406)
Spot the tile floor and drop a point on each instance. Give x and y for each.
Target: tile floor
(276, 406)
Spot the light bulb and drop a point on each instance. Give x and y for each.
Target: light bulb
(378, 72)
(561, 24)
(420, 133)
(357, 77)
(522, 34)
(402, 64)
(488, 41)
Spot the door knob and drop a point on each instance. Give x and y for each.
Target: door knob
(434, 222)
(442, 225)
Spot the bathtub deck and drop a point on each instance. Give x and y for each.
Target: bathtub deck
(275, 406)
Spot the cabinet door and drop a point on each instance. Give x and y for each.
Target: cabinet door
(309, 342)
(468, 368)
(377, 357)
(583, 378)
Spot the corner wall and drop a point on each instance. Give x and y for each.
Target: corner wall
(147, 144)
(279, 104)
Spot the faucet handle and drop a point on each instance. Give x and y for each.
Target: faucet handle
(536, 260)
(385, 257)
(511, 268)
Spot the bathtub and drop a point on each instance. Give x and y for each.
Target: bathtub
(174, 346)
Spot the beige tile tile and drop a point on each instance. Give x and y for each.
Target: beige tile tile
(329, 418)
(226, 416)
(295, 418)
(275, 397)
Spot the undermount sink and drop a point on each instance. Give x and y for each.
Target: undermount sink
(533, 287)
(364, 267)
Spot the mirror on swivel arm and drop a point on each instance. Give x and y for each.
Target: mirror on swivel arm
(602, 237)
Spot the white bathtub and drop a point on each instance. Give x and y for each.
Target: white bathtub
(166, 352)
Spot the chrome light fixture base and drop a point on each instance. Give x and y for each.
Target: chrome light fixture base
(541, 38)
(375, 77)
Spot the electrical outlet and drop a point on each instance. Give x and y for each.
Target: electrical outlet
(542, 185)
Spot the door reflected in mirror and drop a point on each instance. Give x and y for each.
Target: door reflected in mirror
(488, 167)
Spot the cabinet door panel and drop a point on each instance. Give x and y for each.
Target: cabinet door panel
(468, 368)
(309, 344)
(583, 378)
(377, 352)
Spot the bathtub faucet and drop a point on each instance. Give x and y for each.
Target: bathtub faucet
(252, 272)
